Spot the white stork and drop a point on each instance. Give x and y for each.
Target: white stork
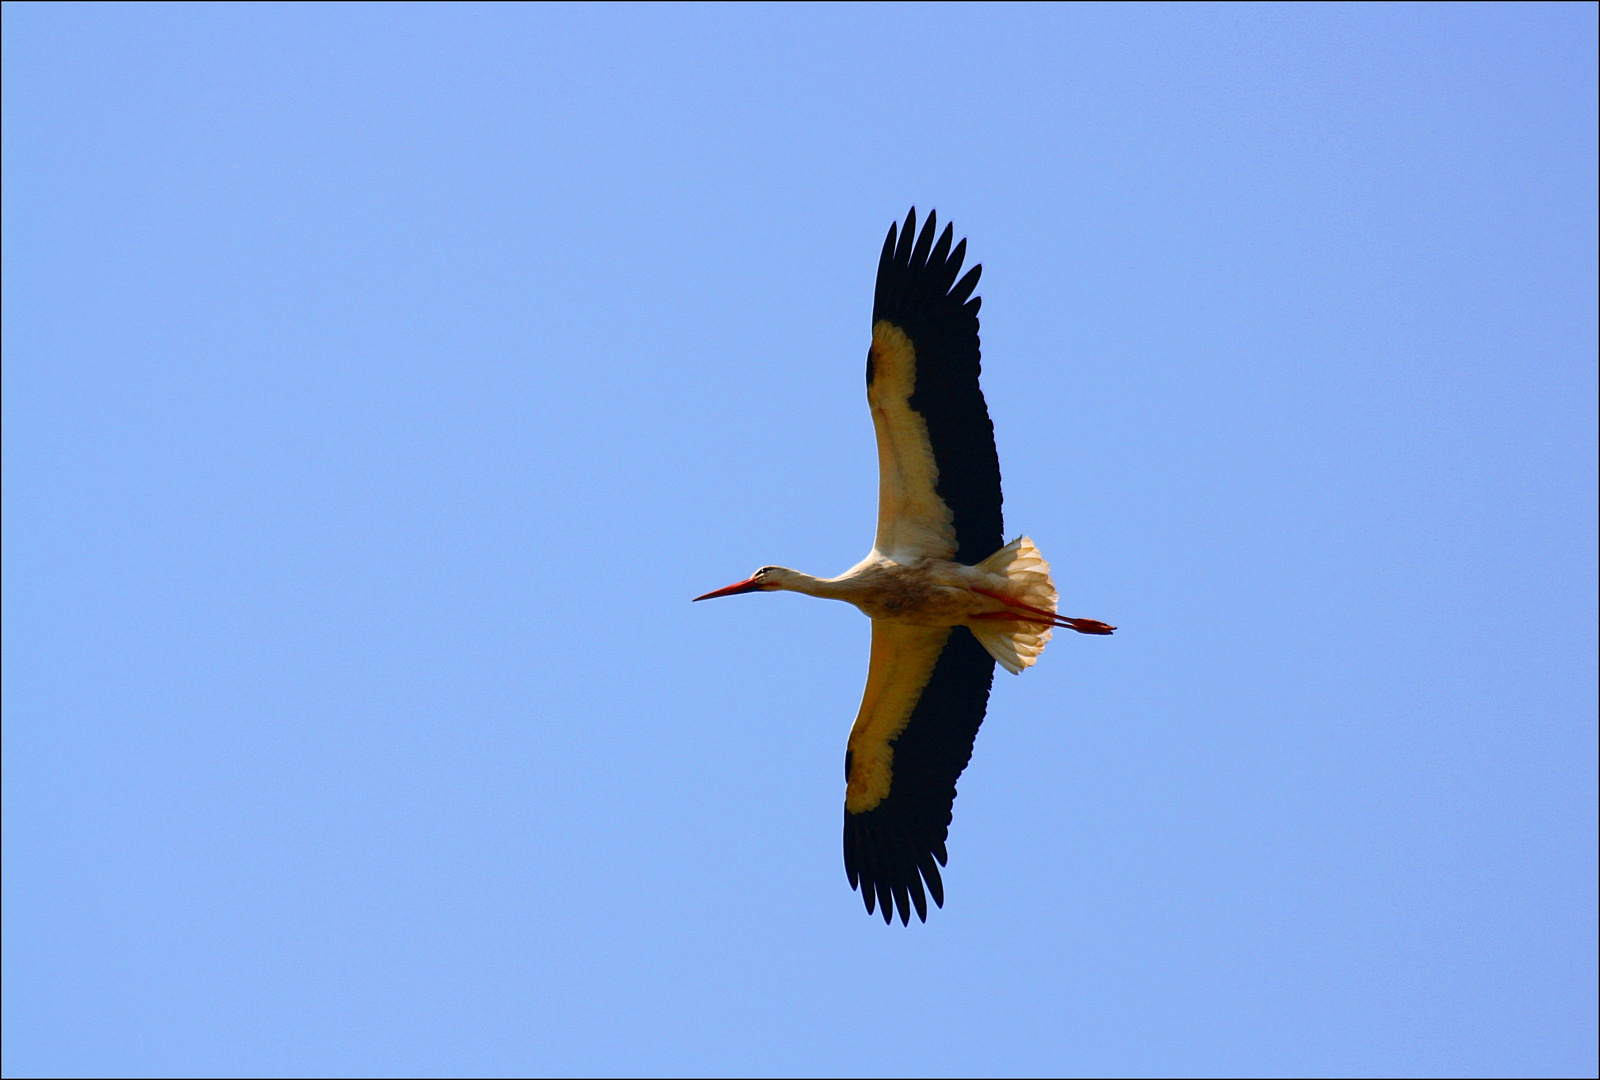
(946, 599)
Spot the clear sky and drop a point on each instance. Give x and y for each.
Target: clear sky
(381, 382)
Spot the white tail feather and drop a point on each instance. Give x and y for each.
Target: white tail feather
(1016, 645)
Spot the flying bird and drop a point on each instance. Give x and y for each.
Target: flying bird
(947, 598)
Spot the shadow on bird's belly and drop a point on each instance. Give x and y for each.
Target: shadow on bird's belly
(916, 596)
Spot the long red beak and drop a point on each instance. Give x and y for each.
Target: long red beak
(747, 585)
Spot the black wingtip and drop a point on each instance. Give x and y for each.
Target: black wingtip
(908, 235)
(919, 254)
(918, 897)
(940, 255)
(964, 287)
(930, 874)
(902, 902)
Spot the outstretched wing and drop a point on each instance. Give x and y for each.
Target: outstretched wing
(938, 473)
(927, 688)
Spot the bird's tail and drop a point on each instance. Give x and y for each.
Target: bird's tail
(1017, 643)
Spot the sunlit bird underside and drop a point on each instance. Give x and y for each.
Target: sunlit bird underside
(946, 599)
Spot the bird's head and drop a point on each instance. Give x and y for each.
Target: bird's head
(767, 579)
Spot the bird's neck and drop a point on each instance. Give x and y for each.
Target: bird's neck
(827, 588)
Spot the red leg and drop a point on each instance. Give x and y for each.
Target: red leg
(1082, 626)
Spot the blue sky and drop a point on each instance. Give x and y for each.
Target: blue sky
(381, 382)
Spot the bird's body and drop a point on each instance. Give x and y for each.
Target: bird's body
(921, 592)
(946, 599)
